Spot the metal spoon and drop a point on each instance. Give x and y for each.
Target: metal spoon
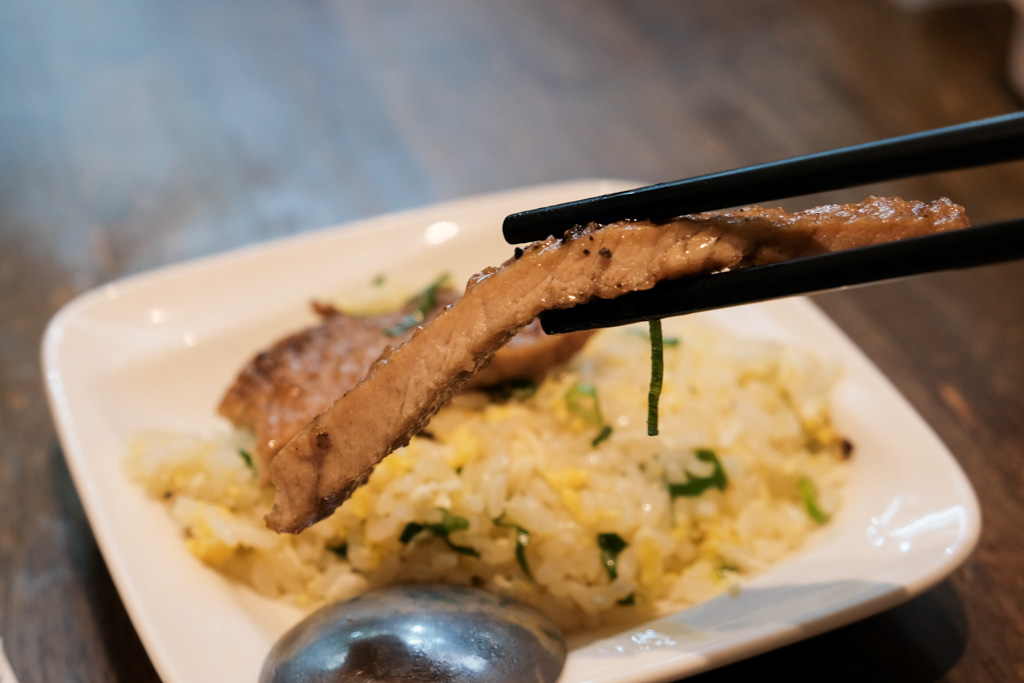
(441, 634)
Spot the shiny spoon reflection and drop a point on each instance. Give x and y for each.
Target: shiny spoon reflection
(415, 633)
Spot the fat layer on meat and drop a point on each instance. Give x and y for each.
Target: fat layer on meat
(336, 452)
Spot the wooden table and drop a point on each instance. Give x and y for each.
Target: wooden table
(135, 134)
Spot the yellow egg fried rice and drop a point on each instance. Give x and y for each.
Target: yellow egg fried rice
(554, 494)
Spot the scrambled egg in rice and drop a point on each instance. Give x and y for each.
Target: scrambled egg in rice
(553, 494)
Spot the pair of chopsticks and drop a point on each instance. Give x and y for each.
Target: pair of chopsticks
(967, 145)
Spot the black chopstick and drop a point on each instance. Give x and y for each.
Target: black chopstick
(966, 145)
(972, 246)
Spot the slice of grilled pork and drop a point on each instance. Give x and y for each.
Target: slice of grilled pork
(336, 452)
(284, 387)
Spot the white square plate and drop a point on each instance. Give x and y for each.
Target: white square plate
(157, 350)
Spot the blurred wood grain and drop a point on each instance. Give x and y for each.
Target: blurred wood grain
(135, 134)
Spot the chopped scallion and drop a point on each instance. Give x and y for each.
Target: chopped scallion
(522, 540)
(605, 432)
(512, 390)
(694, 485)
(411, 530)
(726, 569)
(808, 494)
(611, 546)
(582, 400)
(666, 341)
(657, 377)
(448, 524)
(247, 458)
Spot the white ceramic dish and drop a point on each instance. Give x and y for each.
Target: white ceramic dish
(156, 350)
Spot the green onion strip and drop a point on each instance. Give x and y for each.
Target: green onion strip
(581, 399)
(809, 495)
(448, 524)
(522, 540)
(657, 377)
(247, 459)
(694, 486)
(611, 545)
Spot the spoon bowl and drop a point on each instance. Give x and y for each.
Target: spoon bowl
(415, 633)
